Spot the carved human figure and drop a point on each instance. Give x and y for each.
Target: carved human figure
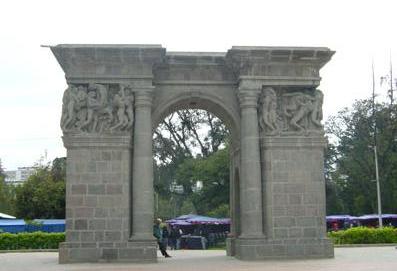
(129, 98)
(299, 107)
(81, 106)
(268, 117)
(93, 105)
(92, 109)
(317, 113)
(68, 107)
(104, 110)
(119, 102)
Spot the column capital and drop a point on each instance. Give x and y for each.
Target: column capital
(143, 96)
(248, 98)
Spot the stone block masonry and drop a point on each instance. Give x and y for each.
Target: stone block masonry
(98, 203)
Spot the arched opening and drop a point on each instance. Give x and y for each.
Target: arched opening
(195, 170)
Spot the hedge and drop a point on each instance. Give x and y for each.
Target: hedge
(30, 240)
(364, 235)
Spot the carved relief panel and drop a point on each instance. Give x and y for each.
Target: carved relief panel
(97, 108)
(290, 112)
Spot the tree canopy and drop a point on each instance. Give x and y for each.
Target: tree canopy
(189, 146)
(349, 164)
(43, 194)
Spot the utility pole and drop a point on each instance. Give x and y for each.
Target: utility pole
(388, 79)
(391, 83)
(375, 151)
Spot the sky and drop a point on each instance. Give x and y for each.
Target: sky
(32, 82)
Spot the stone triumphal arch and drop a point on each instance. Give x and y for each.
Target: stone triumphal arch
(268, 98)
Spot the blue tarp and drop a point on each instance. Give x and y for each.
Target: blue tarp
(45, 225)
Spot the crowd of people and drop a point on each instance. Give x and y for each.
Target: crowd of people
(166, 236)
(198, 236)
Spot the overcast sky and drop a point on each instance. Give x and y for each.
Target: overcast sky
(32, 82)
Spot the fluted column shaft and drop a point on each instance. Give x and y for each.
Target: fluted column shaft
(142, 174)
(250, 182)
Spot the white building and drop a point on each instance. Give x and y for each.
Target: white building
(20, 175)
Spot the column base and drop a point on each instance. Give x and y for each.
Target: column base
(132, 251)
(251, 249)
(230, 246)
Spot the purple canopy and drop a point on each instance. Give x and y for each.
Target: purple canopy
(178, 222)
(198, 219)
(374, 216)
(340, 217)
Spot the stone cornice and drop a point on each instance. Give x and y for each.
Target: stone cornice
(71, 141)
(293, 142)
(98, 61)
(276, 66)
(285, 81)
(289, 55)
(106, 79)
(195, 58)
(194, 82)
(272, 66)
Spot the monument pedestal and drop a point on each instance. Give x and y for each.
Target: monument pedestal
(132, 251)
(265, 249)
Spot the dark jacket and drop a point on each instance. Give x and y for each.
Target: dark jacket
(157, 232)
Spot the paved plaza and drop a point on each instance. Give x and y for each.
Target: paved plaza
(346, 259)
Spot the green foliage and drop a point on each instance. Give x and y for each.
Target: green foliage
(1, 170)
(213, 172)
(58, 169)
(364, 235)
(41, 196)
(168, 207)
(34, 240)
(7, 197)
(221, 211)
(349, 160)
(181, 143)
(33, 223)
(187, 207)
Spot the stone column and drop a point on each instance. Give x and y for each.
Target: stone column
(142, 174)
(250, 183)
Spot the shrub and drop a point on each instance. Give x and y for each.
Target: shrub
(364, 235)
(34, 240)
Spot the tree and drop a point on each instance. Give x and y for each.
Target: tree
(353, 176)
(184, 131)
(42, 195)
(7, 194)
(2, 173)
(183, 136)
(58, 169)
(213, 172)
(334, 203)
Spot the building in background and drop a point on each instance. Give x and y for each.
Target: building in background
(20, 175)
